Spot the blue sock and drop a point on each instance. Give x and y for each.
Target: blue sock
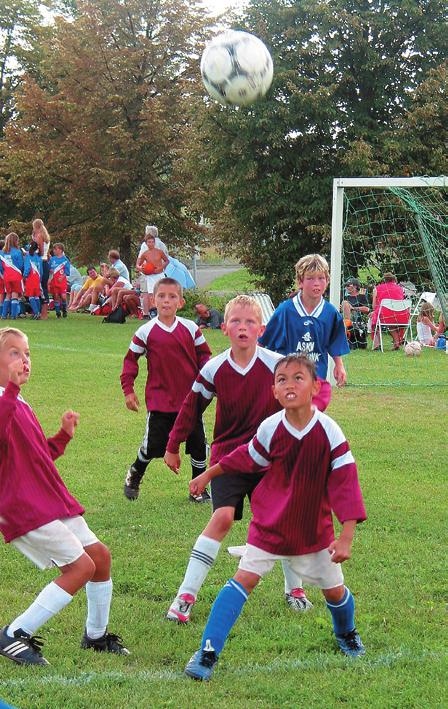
(35, 305)
(57, 306)
(15, 308)
(5, 309)
(343, 613)
(223, 615)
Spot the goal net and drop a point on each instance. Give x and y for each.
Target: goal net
(397, 225)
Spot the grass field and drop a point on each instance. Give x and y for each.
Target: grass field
(275, 658)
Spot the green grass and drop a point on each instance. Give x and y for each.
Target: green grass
(274, 657)
(236, 282)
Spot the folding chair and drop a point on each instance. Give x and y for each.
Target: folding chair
(402, 308)
(425, 297)
(266, 305)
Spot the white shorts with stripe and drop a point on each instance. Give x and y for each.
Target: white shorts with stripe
(57, 543)
(152, 280)
(315, 569)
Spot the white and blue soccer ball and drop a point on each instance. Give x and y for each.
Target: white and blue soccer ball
(236, 68)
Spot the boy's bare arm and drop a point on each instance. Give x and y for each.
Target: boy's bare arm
(341, 548)
(339, 371)
(198, 484)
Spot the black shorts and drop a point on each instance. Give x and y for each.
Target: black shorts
(230, 491)
(158, 429)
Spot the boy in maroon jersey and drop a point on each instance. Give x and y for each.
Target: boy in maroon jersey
(175, 349)
(241, 378)
(42, 520)
(310, 473)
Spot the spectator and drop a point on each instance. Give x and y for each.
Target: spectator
(355, 302)
(426, 325)
(388, 289)
(88, 295)
(117, 263)
(157, 259)
(149, 231)
(119, 284)
(42, 238)
(208, 317)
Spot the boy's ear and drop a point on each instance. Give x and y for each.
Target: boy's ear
(261, 331)
(224, 328)
(181, 303)
(316, 387)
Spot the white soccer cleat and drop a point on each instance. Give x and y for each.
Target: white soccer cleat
(237, 552)
(180, 608)
(298, 601)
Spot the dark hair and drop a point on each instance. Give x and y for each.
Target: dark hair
(34, 246)
(2, 243)
(169, 282)
(300, 358)
(91, 268)
(59, 245)
(353, 282)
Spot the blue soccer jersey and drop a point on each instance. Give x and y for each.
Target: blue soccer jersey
(292, 329)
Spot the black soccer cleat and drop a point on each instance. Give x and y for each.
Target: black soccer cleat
(107, 643)
(23, 648)
(132, 483)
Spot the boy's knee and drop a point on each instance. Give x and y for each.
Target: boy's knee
(86, 568)
(334, 595)
(224, 517)
(101, 557)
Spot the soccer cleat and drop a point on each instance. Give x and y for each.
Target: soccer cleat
(237, 552)
(202, 664)
(64, 313)
(180, 608)
(132, 483)
(199, 499)
(298, 601)
(107, 643)
(351, 644)
(23, 648)
(58, 315)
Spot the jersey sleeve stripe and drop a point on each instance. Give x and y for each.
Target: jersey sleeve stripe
(199, 340)
(345, 459)
(136, 347)
(199, 388)
(256, 457)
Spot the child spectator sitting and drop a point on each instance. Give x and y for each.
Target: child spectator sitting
(426, 325)
(32, 274)
(42, 520)
(309, 472)
(119, 286)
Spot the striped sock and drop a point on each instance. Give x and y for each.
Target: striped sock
(197, 467)
(202, 557)
(223, 615)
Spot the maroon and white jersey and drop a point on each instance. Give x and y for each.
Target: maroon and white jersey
(174, 357)
(32, 493)
(244, 396)
(310, 474)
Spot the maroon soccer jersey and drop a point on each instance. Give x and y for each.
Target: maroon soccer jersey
(32, 492)
(174, 357)
(311, 473)
(244, 399)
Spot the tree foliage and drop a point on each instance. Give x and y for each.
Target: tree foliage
(92, 148)
(347, 77)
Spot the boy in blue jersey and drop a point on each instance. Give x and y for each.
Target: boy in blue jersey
(57, 285)
(307, 323)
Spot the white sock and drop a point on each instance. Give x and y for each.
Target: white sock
(291, 578)
(99, 598)
(202, 557)
(50, 601)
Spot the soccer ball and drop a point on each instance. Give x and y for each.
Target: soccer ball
(413, 349)
(148, 268)
(236, 68)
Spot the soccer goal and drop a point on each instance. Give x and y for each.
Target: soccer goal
(382, 224)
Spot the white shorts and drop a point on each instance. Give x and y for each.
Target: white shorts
(152, 280)
(142, 283)
(57, 543)
(75, 287)
(314, 569)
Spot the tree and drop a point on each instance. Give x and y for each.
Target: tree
(345, 74)
(92, 148)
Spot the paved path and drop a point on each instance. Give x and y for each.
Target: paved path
(207, 274)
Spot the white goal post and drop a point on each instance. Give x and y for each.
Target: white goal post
(339, 184)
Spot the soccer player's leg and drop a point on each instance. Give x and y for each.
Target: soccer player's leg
(196, 447)
(226, 610)
(319, 570)
(157, 430)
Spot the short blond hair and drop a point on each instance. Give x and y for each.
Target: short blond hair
(313, 263)
(244, 301)
(6, 332)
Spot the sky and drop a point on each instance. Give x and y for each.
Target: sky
(218, 6)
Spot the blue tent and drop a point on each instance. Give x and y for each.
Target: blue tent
(177, 270)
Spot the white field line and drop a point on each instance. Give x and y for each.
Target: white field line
(75, 350)
(319, 662)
